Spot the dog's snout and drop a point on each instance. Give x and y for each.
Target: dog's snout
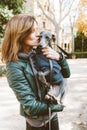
(46, 38)
(42, 43)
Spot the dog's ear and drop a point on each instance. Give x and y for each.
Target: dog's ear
(53, 37)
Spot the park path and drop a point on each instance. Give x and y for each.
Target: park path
(74, 117)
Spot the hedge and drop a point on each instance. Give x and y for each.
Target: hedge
(78, 54)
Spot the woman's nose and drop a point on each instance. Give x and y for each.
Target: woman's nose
(38, 37)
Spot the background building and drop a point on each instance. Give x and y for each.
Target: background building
(65, 34)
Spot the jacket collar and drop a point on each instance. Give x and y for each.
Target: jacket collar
(25, 56)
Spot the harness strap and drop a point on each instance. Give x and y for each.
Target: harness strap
(51, 69)
(35, 75)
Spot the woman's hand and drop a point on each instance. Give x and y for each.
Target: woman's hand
(50, 53)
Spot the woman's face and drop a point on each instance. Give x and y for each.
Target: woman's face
(32, 39)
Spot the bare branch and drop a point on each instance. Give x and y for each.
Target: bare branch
(60, 10)
(49, 18)
(68, 11)
(50, 11)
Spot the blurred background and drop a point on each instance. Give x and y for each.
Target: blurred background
(67, 19)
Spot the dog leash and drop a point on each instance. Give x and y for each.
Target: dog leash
(39, 93)
(49, 118)
(51, 68)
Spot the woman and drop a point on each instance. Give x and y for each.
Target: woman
(20, 36)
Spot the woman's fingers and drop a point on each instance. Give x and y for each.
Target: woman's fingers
(50, 53)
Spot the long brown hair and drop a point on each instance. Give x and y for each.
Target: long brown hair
(16, 31)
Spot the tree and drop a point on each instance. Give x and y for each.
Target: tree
(63, 10)
(81, 23)
(5, 15)
(83, 3)
(7, 9)
(15, 5)
(80, 42)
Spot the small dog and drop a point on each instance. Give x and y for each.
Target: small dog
(50, 75)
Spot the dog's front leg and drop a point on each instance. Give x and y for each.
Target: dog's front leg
(42, 79)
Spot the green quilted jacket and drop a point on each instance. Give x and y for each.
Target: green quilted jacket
(21, 80)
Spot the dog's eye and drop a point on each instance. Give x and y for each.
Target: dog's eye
(47, 37)
(40, 36)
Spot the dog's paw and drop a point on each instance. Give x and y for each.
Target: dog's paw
(51, 99)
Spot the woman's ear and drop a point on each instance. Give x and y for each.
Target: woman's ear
(53, 37)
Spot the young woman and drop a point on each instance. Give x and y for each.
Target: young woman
(21, 36)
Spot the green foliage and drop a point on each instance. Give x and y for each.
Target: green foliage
(8, 8)
(5, 15)
(78, 54)
(2, 70)
(80, 34)
(80, 42)
(14, 5)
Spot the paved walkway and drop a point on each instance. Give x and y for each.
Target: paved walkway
(74, 116)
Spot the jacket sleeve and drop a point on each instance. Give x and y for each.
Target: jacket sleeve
(64, 67)
(22, 89)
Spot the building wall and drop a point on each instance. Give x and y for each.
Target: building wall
(44, 23)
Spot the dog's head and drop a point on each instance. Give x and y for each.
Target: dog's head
(46, 38)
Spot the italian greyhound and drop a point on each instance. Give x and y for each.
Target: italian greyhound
(51, 77)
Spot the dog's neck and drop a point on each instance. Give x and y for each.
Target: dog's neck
(38, 50)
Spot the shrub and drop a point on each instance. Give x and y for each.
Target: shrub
(5, 15)
(2, 70)
(78, 54)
